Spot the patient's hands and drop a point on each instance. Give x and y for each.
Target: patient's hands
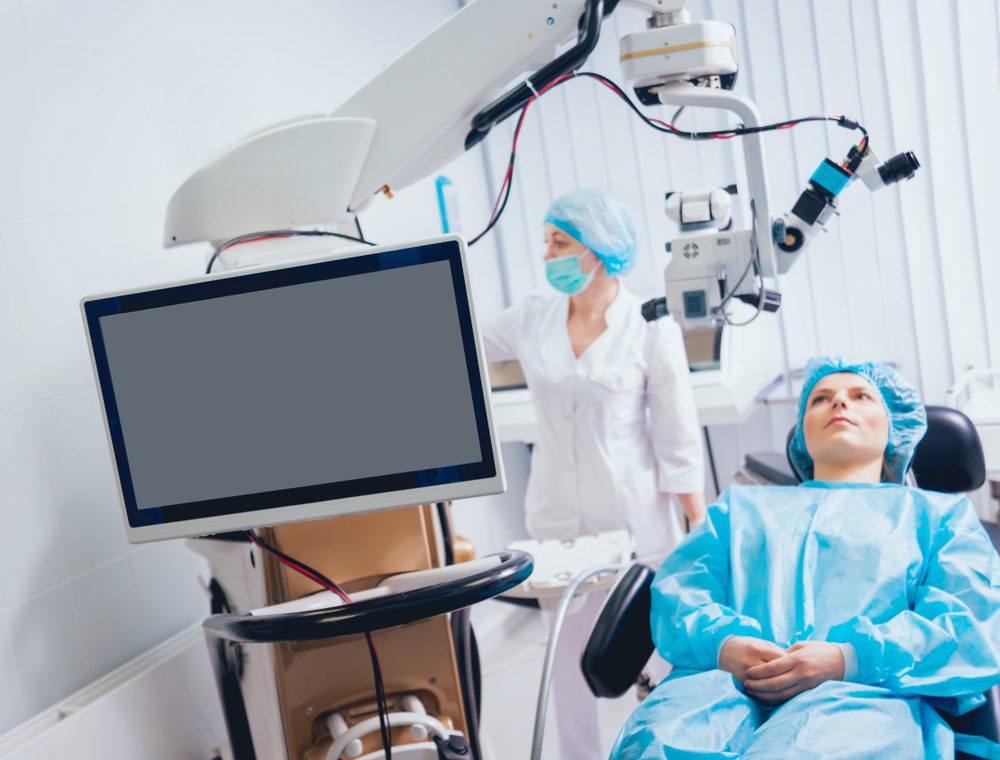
(803, 666)
(740, 653)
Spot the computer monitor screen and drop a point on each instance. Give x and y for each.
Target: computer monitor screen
(297, 392)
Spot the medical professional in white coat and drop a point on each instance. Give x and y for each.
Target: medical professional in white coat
(618, 433)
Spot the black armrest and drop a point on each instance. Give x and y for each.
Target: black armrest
(983, 721)
(993, 531)
(620, 642)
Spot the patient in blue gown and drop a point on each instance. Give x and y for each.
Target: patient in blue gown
(832, 619)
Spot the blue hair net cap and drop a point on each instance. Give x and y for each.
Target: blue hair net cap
(907, 416)
(601, 223)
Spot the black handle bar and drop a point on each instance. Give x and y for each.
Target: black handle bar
(375, 614)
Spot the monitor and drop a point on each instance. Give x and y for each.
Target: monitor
(320, 388)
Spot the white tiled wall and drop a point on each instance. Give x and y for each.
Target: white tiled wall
(105, 107)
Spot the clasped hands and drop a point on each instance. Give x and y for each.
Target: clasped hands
(774, 675)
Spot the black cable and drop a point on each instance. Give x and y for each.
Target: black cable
(252, 535)
(466, 650)
(711, 462)
(506, 197)
(324, 233)
(754, 259)
(283, 233)
(716, 134)
(215, 255)
(445, 522)
(357, 226)
(381, 703)
(470, 686)
(843, 121)
(380, 698)
(510, 180)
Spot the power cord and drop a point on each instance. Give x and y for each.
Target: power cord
(322, 580)
(249, 238)
(659, 125)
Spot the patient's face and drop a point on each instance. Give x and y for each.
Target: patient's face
(845, 421)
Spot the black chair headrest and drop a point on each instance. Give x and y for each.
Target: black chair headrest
(620, 642)
(949, 458)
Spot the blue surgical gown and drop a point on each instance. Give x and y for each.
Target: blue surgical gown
(907, 577)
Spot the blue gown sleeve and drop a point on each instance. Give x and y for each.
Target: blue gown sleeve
(948, 644)
(691, 616)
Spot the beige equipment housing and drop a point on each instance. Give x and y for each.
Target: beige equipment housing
(287, 692)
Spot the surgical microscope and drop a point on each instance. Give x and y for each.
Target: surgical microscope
(320, 590)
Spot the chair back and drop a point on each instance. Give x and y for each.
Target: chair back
(949, 458)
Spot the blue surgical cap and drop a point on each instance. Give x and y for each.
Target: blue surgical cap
(907, 416)
(601, 223)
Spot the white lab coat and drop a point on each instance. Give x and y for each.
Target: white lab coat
(617, 433)
(617, 428)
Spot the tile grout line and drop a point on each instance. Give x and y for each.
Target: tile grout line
(32, 404)
(65, 582)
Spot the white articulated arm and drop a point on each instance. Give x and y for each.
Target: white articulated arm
(417, 114)
(687, 94)
(445, 94)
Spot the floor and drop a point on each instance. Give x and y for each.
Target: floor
(512, 650)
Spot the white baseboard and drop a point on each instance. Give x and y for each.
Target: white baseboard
(162, 705)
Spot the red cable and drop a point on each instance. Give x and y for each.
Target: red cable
(662, 123)
(344, 597)
(332, 587)
(371, 643)
(517, 135)
(254, 240)
(536, 94)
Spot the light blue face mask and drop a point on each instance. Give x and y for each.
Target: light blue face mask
(564, 274)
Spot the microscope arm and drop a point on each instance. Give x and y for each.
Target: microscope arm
(437, 100)
(687, 94)
(420, 112)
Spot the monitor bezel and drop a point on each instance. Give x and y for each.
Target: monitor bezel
(300, 503)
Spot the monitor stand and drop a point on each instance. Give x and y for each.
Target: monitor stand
(289, 690)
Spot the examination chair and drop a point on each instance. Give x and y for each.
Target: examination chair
(949, 459)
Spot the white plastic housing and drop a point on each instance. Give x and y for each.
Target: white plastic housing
(291, 174)
(698, 257)
(311, 170)
(755, 187)
(868, 172)
(424, 101)
(696, 263)
(786, 259)
(682, 52)
(699, 206)
(337, 727)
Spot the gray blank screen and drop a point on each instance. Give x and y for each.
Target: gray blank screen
(315, 383)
